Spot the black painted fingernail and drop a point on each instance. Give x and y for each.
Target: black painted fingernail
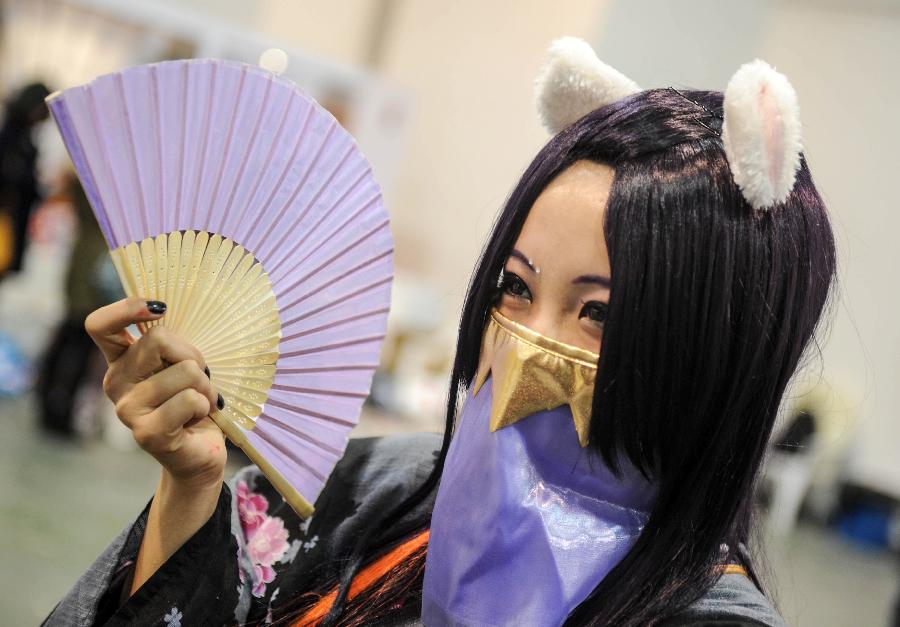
(206, 370)
(156, 307)
(220, 403)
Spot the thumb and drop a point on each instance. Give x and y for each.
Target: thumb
(108, 326)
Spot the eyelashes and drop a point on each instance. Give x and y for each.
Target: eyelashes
(510, 285)
(595, 311)
(513, 285)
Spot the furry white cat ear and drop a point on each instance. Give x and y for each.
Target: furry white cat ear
(761, 134)
(574, 82)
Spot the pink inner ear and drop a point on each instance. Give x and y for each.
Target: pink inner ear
(773, 133)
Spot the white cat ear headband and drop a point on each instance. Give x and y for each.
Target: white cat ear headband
(760, 130)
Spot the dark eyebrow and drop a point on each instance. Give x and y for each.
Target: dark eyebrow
(521, 257)
(602, 281)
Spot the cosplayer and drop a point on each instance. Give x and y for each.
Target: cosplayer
(644, 298)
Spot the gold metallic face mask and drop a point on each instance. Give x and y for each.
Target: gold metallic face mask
(532, 373)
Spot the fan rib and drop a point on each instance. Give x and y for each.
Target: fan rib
(232, 279)
(157, 134)
(325, 239)
(251, 318)
(288, 453)
(174, 278)
(228, 145)
(314, 391)
(309, 412)
(347, 273)
(218, 276)
(104, 153)
(281, 424)
(252, 372)
(197, 252)
(266, 338)
(218, 273)
(325, 214)
(246, 286)
(340, 368)
(202, 283)
(336, 323)
(204, 146)
(73, 144)
(266, 164)
(340, 254)
(252, 243)
(311, 203)
(328, 347)
(338, 301)
(133, 158)
(248, 150)
(300, 185)
(184, 264)
(179, 181)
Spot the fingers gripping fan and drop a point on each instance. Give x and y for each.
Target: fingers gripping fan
(225, 192)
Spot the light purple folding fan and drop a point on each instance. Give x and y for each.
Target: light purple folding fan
(236, 199)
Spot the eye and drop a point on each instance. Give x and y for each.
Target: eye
(513, 285)
(595, 311)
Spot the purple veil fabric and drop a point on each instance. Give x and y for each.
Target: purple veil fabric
(526, 522)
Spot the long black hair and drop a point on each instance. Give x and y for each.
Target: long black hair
(711, 309)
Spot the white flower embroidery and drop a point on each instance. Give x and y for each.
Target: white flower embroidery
(310, 544)
(173, 618)
(292, 552)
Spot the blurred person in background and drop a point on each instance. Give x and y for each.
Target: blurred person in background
(90, 283)
(19, 188)
(645, 295)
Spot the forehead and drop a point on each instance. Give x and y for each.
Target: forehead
(565, 224)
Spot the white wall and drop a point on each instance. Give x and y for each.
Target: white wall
(843, 63)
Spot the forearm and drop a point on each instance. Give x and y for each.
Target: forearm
(177, 512)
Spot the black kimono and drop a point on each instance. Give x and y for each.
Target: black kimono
(255, 553)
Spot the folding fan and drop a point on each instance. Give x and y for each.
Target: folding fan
(236, 199)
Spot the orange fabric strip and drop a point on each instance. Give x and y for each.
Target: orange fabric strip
(377, 569)
(366, 577)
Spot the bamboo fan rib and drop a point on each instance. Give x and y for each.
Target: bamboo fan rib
(225, 192)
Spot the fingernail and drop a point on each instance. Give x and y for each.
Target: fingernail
(220, 403)
(156, 307)
(206, 370)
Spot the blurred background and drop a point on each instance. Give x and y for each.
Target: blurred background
(438, 95)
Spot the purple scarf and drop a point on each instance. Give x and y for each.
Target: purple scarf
(526, 523)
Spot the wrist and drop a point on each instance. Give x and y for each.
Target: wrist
(201, 487)
(204, 478)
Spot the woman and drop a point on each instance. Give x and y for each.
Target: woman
(640, 306)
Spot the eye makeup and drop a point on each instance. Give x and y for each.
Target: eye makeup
(595, 311)
(511, 284)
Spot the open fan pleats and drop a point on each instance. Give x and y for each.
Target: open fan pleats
(241, 203)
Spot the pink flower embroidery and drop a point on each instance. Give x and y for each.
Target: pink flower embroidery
(267, 539)
(261, 576)
(252, 508)
(268, 543)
